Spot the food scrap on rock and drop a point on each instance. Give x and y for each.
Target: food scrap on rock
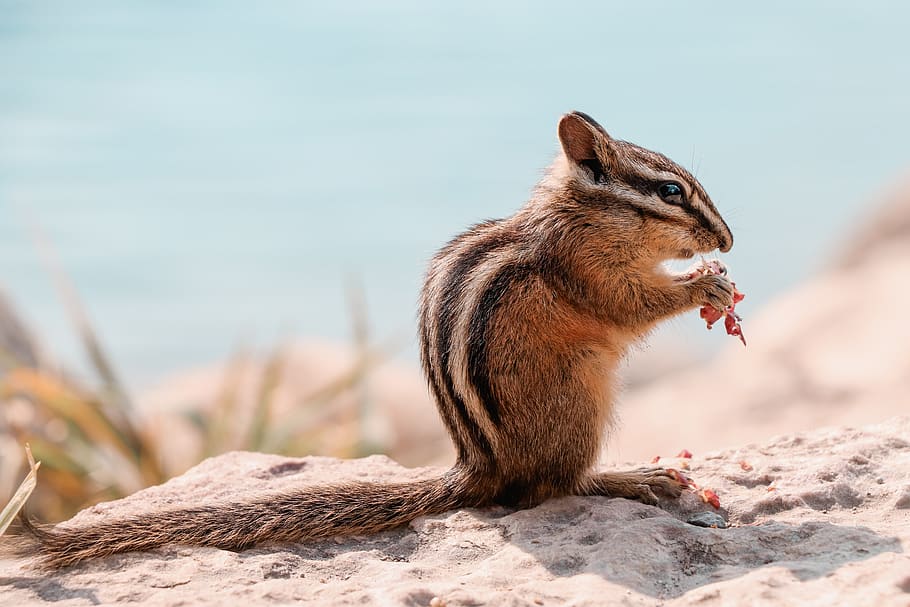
(709, 497)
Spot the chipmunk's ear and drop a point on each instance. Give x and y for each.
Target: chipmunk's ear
(586, 143)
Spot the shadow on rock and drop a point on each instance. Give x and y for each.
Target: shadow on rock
(651, 552)
(50, 590)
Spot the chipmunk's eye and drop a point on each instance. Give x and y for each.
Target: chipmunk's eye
(671, 193)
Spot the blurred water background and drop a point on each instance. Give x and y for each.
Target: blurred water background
(214, 172)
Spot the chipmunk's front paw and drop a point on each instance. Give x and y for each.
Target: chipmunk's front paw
(714, 290)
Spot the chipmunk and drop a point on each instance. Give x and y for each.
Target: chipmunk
(523, 322)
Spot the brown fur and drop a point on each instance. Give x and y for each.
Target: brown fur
(523, 322)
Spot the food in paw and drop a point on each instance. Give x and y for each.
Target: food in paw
(709, 313)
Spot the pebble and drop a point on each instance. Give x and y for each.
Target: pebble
(707, 519)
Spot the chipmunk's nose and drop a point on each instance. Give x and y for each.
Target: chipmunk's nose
(724, 238)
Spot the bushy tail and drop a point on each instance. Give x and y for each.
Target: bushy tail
(315, 512)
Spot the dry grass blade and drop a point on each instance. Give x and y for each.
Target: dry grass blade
(57, 459)
(22, 493)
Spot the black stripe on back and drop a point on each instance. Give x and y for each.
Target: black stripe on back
(444, 410)
(477, 335)
(448, 308)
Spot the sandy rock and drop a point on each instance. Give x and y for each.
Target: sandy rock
(815, 518)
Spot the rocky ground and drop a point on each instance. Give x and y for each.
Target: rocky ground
(821, 518)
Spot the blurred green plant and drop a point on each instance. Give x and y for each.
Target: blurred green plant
(93, 445)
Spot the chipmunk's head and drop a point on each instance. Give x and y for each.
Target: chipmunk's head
(660, 200)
